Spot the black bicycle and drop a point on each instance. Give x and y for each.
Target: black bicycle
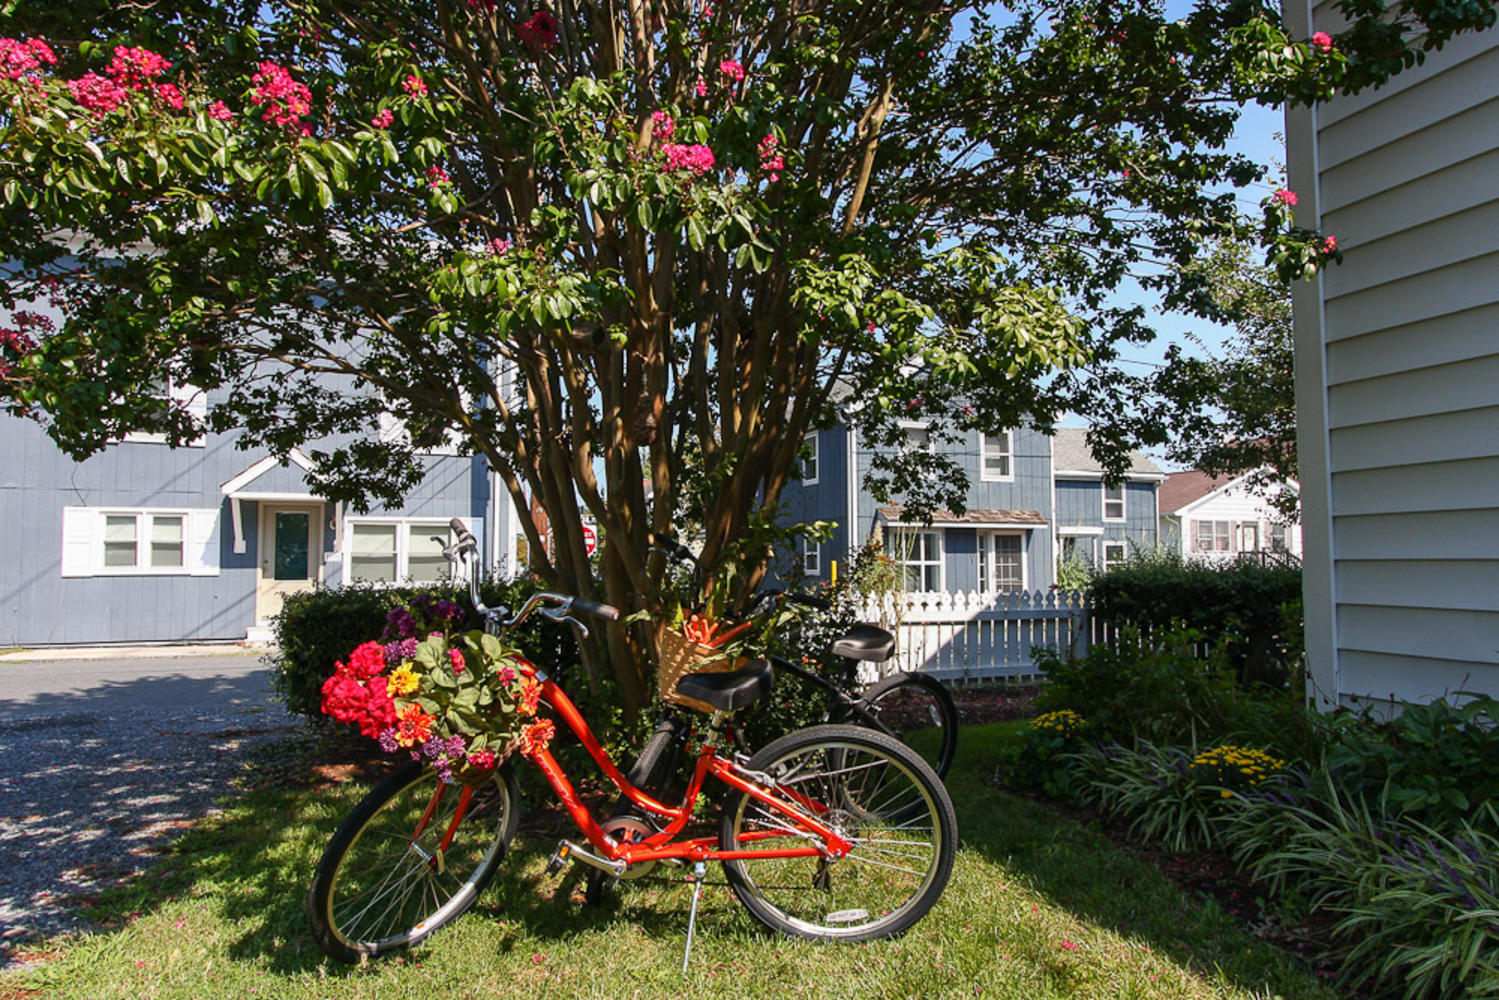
(915, 708)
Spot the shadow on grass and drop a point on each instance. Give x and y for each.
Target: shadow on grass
(1080, 870)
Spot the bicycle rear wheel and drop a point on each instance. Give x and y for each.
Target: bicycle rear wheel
(917, 710)
(873, 791)
(386, 882)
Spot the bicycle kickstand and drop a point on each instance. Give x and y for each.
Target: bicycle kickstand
(699, 870)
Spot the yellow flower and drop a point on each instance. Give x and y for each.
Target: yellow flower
(1225, 794)
(402, 681)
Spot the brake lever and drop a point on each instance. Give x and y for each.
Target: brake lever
(559, 614)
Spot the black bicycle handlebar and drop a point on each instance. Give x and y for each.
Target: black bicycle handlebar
(595, 609)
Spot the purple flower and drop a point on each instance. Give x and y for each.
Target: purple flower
(433, 748)
(456, 745)
(388, 741)
(399, 624)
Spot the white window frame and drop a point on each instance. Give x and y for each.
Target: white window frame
(83, 541)
(1123, 507)
(814, 463)
(1247, 531)
(907, 426)
(1278, 538)
(811, 557)
(904, 540)
(1226, 536)
(1008, 451)
(404, 526)
(988, 556)
(187, 396)
(1108, 546)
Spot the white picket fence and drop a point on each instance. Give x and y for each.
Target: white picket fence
(970, 636)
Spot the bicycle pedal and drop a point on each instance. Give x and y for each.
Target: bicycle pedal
(560, 857)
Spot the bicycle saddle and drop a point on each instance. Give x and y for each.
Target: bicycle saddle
(865, 642)
(728, 692)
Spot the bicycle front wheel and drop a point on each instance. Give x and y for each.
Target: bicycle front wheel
(872, 791)
(398, 868)
(917, 710)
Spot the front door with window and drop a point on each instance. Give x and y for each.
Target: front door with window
(291, 554)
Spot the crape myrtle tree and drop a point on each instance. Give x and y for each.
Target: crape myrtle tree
(629, 251)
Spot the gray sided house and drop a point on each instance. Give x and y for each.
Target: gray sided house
(1031, 496)
(1397, 377)
(145, 543)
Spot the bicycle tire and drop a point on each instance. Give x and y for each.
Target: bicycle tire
(372, 860)
(916, 709)
(888, 801)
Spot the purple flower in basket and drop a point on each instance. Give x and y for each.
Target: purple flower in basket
(388, 741)
(456, 745)
(399, 624)
(400, 651)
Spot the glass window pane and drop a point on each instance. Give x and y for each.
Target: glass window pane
(166, 541)
(424, 553)
(119, 540)
(292, 556)
(997, 455)
(373, 552)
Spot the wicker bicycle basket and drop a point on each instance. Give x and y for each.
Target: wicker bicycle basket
(680, 656)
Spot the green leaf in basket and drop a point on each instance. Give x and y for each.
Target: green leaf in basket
(491, 647)
(429, 706)
(485, 696)
(442, 676)
(466, 698)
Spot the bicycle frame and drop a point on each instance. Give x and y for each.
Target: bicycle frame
(799, 811)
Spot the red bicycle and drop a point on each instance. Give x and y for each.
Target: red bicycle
(828, 832)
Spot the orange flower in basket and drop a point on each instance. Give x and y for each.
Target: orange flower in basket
(530, 697)
(535, 737)
(413, 726)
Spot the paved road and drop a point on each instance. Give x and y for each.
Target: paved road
(105, 761)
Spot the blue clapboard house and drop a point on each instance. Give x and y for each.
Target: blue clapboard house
(146, 543)
(1033, 500)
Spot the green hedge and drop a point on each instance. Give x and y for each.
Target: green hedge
(318, 628)
(1251, 609)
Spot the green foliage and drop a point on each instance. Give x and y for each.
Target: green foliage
(1039, 762)
(1237, 606)
(1158, 689)
(1435, 763)
(1415, 908)
(316, 629)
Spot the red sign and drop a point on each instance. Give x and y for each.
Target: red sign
(590, 539)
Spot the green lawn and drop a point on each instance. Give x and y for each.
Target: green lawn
(1038, 907)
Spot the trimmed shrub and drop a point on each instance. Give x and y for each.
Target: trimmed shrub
(320, 627)
(1240, 607)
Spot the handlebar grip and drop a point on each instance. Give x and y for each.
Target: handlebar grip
(810, 601)
(595, 608)
(465, 537)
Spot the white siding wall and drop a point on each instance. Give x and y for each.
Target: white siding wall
(1238, 505)
(1398, 377)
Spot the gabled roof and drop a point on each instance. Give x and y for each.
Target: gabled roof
(1182, 488)
(1070, 453)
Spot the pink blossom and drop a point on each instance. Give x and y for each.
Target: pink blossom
(770, 161)
(1330, 245)
(383, 118)
(732, 70)
(97, 93)
(1068, 945)
(498, 246)
(285, 100)
(1322, 41)
(702, 87)
(169, 95)
(483, 759)
(456, 655)
(19, 58)
(134, 69)
(539, 33)
(664, 125)
(436, 176)
(696, 157)
(219, 111)
(414, 86)
(1285, 197)
(487, 6)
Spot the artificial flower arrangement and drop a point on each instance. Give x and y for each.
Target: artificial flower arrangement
(462, 701)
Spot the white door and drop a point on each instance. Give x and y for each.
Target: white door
(291, 554)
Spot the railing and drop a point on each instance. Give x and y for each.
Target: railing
(968, 636)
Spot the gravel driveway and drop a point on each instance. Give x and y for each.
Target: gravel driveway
(105, 762)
